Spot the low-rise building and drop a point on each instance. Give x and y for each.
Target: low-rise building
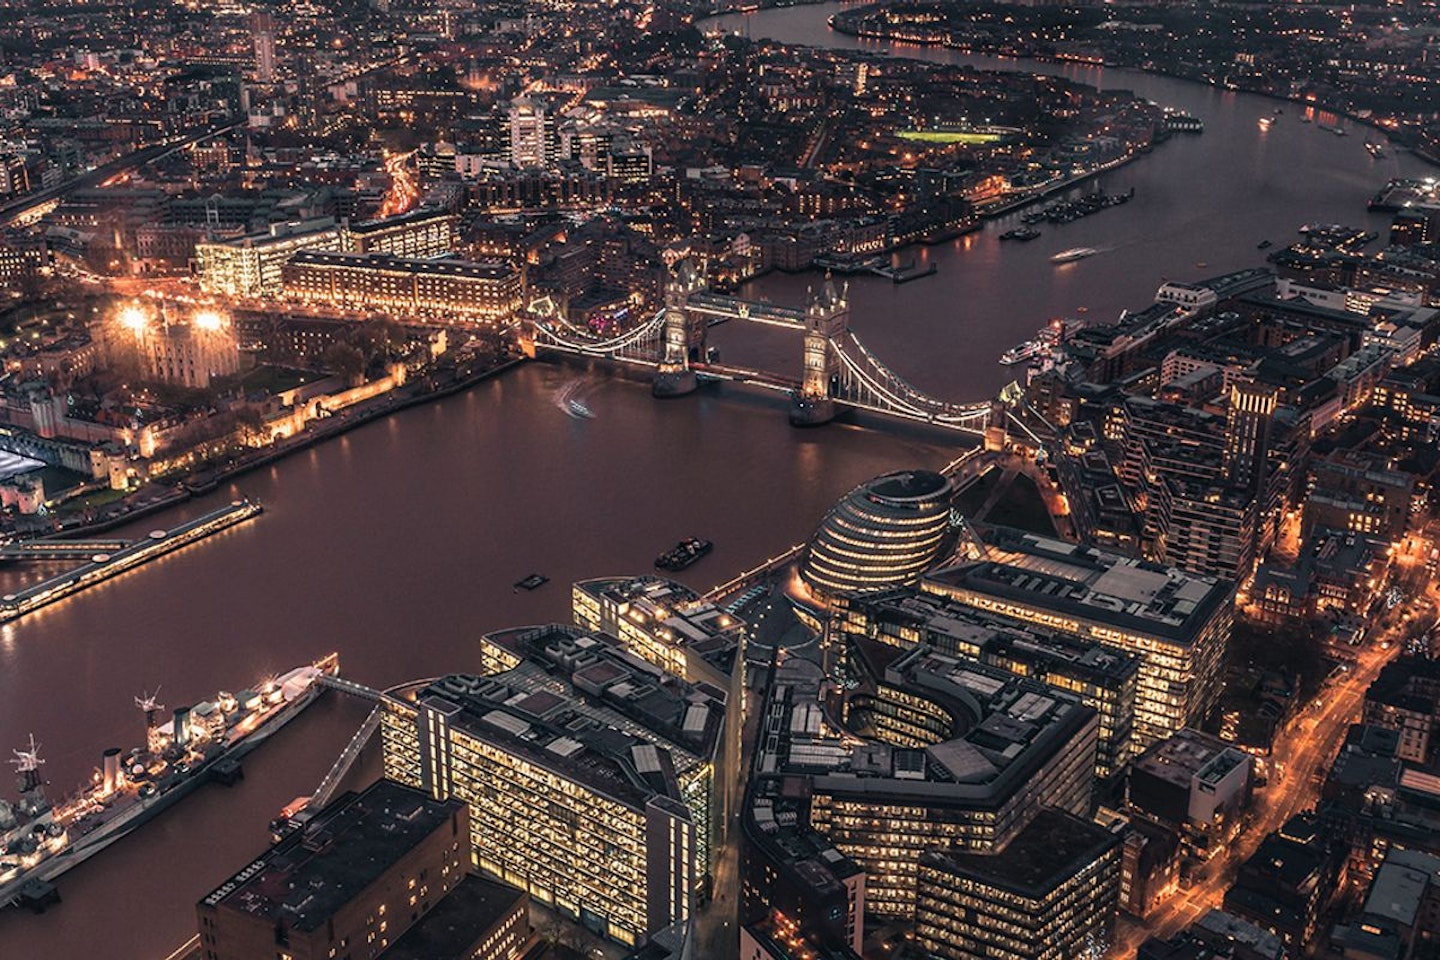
(1194, 784)
(351, 881)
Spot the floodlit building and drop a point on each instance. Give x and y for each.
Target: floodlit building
(1178, 624)
(189, 354)
(253, 265)
(422, 232)
(450, 289)
(250, 266)
(590, 774)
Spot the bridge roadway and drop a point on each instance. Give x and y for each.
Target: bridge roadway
(720, 307)
(351, 687)
(759, 378)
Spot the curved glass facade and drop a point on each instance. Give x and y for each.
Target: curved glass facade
(884, 533)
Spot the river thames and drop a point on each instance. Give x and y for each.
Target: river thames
(397, 544)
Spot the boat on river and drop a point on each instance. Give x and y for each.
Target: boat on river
(685, 553)
(41, 839)
(1073, 254)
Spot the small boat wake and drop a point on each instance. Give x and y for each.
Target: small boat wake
(568, 399)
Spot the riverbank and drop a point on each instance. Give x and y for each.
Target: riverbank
(326, 429)
(842, 24)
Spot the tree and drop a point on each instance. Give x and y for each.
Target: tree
(344, 360)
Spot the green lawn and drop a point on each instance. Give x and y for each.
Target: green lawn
(944, 136)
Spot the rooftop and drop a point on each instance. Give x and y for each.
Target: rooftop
(1050, 850)
(1004, 728)
(579, 703)
(1089, 584)
(470, 269)
(301, 881)
(951, 626)
(474, 906)
(1186, 755)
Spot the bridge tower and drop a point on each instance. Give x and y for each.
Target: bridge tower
(684, 333)
(827, 317)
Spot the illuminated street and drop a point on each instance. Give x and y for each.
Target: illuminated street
(1306, 745)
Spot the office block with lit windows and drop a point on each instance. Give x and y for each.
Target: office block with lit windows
(958, 755)
(935, 753)
(591, 775)
(1177, 623)
(1050, 894)
(422, 232)
(349, 883)
(671, 626)
(1103, 678)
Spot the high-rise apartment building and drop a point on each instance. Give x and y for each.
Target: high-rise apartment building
(532, 133)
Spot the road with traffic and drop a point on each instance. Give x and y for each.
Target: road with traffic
(1307, 744)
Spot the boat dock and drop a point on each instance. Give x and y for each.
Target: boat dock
(905, 272)
(102, 566)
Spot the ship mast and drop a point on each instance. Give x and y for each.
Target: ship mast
(148, 702)
(27, 764)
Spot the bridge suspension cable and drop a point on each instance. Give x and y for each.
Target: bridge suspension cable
(896, 395)
(644, 333)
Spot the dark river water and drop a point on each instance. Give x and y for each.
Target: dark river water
(397, 544)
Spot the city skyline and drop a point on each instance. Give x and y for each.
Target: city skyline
(778, 482)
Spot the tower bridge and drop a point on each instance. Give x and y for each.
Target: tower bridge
(837, 370)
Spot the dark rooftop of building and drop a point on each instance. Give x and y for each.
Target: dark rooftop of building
(1185, 755)
(910, 485)
(1054, 847)
(953, 627)
(579, 703)
(301, 881)
(449, 930)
